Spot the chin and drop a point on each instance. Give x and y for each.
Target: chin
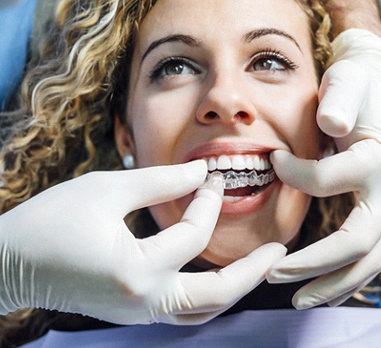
(236, 237)
(220, 253)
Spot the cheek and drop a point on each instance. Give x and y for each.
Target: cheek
(159, 121)
(154, 128)
(296, 122)
(166, 214)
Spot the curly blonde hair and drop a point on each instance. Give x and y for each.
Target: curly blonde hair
(61, 123)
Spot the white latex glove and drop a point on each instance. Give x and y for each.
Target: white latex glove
(69, 249)
(350, 92)
(350, 109)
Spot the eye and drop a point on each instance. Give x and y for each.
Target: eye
(173, 66)
(272, 61)
(268, 64)
(177, 68)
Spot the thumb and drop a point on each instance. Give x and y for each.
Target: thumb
(330, 176)
(341, 94)
(134, 189)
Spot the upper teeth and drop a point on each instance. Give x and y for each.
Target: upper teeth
(237, 162)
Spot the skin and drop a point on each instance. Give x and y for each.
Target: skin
(225, 101)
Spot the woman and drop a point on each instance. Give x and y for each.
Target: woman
(237, 96)
(184, 96)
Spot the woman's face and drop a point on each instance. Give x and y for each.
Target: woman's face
(229, 82)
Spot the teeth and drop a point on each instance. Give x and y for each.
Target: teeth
(249, 162)
(232, 198)
(265, 164)
(233, 180)
(212, 164)
(257, 163)
(224, 162)
(237, 162)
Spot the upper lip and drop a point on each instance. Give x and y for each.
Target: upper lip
(230, 148)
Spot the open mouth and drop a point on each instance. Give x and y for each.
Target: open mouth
(244, 175)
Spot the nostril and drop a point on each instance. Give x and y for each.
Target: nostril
(228, 117)
(242, 114)
(211, 115)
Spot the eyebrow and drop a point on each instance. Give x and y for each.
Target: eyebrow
(186, 39)
(254, 34)
(193, 42)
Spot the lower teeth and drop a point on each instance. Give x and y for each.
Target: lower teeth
(233, 180)
(232, 198)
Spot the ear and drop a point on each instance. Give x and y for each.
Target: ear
(123, 138)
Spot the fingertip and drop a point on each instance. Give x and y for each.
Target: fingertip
(215, 183)
(279, 156)
(271, 252)
(340, 100)
(280, 160)
(276, 276)
(334, 303)
(333, 124)
(279, 250)
(300, 303)
(207, 202)
(197, 169)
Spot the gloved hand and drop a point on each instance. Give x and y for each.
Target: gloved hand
(350, 102)
(69, 249)
(350, 110)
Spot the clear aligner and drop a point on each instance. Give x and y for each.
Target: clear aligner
(233, 180)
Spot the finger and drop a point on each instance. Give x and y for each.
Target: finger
(333, 252)
(195, 319)
(343, 172)
(134, 189)
(185, 240)
(336, 287)
(218, 291)
(340, 98)
(341, 299)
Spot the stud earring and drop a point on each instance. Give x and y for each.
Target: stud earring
(128, 161)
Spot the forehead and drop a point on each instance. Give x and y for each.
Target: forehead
(208, 19)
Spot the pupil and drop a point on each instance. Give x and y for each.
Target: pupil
(175, 69)
(266, 64)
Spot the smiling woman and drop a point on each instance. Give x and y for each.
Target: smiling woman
(199, 92)
(167, 83)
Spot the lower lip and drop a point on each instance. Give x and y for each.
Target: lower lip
(250, 204)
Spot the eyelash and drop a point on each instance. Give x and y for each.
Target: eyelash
(269, 53)
(158, 69)
(277, 55)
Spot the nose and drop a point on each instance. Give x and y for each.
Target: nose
(226, 101)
